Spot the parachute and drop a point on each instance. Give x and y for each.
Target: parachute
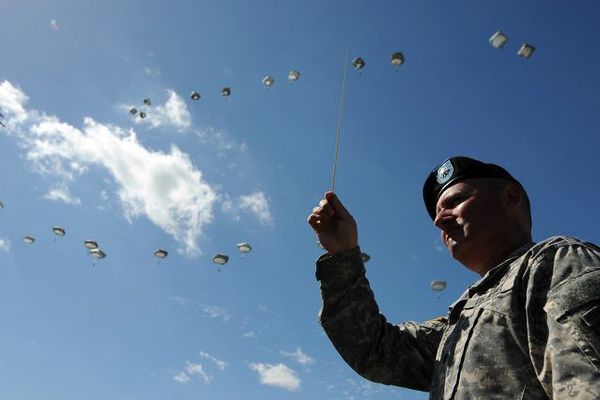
(1, 123)
(28, 239)
(365, 257)
(58, 231)
(97, 254)
(1, 204)
(268, 80)
(226, 91)
(90, 244)
(147, 101)
(498, 39)
(142, 114)
(526, 50)
(133, 111)
(244, 247)
(438, 286)
(358, 63)
(160, 253)
(195, 96)
(220, 259)
(397, 59)
(293, 75)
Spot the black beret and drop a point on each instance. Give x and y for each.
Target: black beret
(457, 169)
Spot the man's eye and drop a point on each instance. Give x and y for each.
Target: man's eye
(456, 201)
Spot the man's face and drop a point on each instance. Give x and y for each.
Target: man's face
(469, 215)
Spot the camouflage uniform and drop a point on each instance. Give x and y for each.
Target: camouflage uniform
(529, 329)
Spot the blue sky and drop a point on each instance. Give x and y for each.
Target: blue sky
(196, 178)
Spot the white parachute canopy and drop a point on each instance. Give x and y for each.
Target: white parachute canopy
(526, 50)
(268, 80)
(244, 247)
(358, 63)
(28, 239)
(293, 75)
(498, 39)
(90, 244)
(58, 231)
(97, 254)
(147, 101)
(160, 253)
(397, 58)
(133, 111)
(438, 285)
(195, 96)
(220, 259)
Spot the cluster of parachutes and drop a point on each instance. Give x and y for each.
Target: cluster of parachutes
(97, 253)
(499, 39)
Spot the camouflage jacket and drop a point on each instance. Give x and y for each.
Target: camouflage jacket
(529, 329)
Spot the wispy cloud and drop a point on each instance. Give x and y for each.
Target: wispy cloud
(62, 193)
(173, 113)
(278, 375)
(220, 364)
(299, 356)
(216, 312)
(164, 187)
(190, 370)
(255, 204)
(4, 244)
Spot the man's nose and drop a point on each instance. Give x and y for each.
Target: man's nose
(443, 219)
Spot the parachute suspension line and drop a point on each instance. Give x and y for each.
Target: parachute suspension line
(339, 124)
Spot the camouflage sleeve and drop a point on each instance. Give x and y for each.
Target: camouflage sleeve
(563, 321)
(401, 355)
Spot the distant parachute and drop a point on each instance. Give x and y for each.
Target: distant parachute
(268, 80)
(58, 231)
(498, 39)
(293, 75)
(97, 254)
(142, 114)
(438, 286)
(28, 239)
(160, 253)
(365, 257)
(90, 244)
(133, 111)
(1, 204)
(220, 260)
(397, 59)
(244, 247)
(147, 101)
(1, 123)
(358, 63)
(526, 50)
(226, 91)
(195, 96)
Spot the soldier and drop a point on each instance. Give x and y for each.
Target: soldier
(528, 329)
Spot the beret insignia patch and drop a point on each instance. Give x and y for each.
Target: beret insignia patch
(444, 172)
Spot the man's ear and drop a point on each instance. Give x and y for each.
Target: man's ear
(512, 196)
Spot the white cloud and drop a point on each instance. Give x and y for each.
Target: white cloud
(220, 364)
(190, 370)
(299, 356)
(249, 335)
(164, 187)
(216, 312)
(54, 24)
(173, 113)
(62, 193)
(278, 375)
(256, 204)
(182, 377)
(4, 244)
